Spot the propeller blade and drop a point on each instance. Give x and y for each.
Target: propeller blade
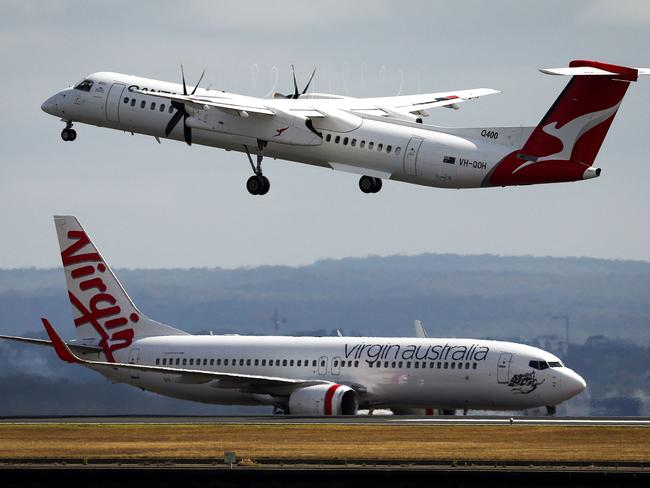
(296, 93)
(309, 82)
(187, 131)
(180, 112)
(183, 76)
(198, 83)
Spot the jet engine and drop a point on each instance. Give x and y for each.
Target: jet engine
(330, 399)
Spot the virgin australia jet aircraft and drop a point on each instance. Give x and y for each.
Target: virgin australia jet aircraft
(379, 138)
(297, 375)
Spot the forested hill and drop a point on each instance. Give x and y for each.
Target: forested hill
(478, 296)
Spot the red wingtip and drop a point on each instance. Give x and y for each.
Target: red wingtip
(60, 347)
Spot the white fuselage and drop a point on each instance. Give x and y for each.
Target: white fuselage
(388, 372)
(373, 146)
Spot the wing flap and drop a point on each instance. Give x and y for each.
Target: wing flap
(417, 103)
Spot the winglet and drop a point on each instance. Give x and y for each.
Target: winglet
(61, 348)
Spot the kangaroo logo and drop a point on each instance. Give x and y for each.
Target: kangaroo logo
(278, 132)
(102, 310)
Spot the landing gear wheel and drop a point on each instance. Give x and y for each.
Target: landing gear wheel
(255, 185)
(266, 185)
(73, 134)
(368, 184)
(65, 135)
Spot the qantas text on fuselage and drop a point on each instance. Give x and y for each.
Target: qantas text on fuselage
(378, 138)
(298, 375)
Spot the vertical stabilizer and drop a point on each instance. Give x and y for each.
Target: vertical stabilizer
(102, 311)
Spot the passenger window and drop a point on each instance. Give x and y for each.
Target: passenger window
(328, 138)
(336, 363)
(284, 362)
(389, 148)
(385, 364)
(424, 364)
(337, 139)
(345, 141)
(184, 361)
(291, 362)
(370, 365)
(126, 99)
(153, 105)
(473, 365)
(453, 365)
(380, 147)
(446, 365)
(157, 361)
(399, 365)
(225, 362)
(313, 364)
(142, 104)
(133, 102)
(392, 365)
(353, 142)
(362, 144)
(356, 364)
(162, 107)
(178, 361)
(408, 364)
(164, 361)
(241, 362)
(322, 363)
(299, 363)
(371, 145)
(191, 361)
(398, 150)
(460, 365)
(466, 365)
(432, 365)
(277, 362)
(439, 364)
(248, 362)
(218, 362)
(257, 362)
(171, 109)
(416, 364)
(263, 362)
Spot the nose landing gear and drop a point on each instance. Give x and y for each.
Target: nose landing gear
(368, 184)
(258, 184)
(68, 134)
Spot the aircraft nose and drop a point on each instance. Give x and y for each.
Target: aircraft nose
(49, 105)
(574, 383)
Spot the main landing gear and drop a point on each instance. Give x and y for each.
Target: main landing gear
(258, 184)
(368, 184)
(68, 134)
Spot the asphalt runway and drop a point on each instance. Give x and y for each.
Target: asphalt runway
(358, 419)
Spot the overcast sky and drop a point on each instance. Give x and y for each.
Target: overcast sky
(169, 205)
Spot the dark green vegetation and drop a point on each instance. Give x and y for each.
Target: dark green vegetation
(608, 303)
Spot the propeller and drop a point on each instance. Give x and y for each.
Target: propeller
(296, 92)
(181, 113)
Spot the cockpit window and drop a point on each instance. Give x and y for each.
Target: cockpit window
(555, 364)
(85, 85)
(538, 365)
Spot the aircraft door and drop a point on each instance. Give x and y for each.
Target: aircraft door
(503, 367)
(411, 156)
(113, 102)
(322, 365)
(336, 365)
(134, 356)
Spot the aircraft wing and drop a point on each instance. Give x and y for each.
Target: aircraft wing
(227, 104)
(414, 104)
(180, 375)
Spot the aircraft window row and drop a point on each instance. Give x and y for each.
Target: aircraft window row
(246, 362)
(362, 144)
(85, 85)
(422, 365)
(143, 104)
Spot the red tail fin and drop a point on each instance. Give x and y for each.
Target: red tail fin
(564, 145)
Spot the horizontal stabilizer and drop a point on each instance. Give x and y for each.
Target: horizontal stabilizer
(596, 68)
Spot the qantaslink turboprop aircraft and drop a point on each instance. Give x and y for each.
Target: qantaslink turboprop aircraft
(297, 375)
(379, 138)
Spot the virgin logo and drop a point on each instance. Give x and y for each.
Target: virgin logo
(101, 310)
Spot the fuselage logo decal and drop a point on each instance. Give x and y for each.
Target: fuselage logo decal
(524, 383)
(446, 352)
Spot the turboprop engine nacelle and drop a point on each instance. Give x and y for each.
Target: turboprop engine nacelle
(330, 399)
(591, 172)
